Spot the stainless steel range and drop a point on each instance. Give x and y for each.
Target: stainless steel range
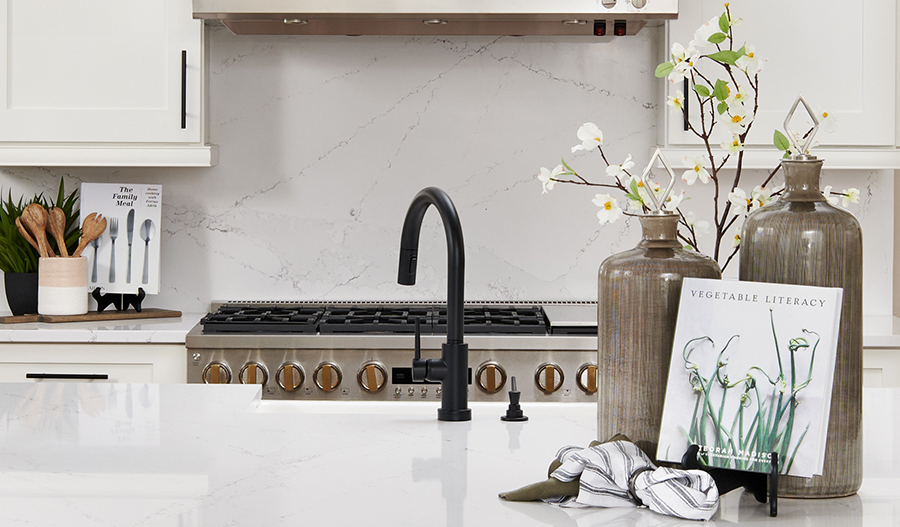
(364, 351)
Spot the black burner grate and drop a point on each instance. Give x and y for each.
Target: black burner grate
(374, 319)
(260, 319)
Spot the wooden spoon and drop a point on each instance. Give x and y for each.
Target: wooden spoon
(57, 227)
(35, 218)
(91, 227)
(25, 234)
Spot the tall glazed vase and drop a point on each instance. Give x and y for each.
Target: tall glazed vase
(802, 239)
(638, 299)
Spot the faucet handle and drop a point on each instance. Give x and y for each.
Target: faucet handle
(420, 365)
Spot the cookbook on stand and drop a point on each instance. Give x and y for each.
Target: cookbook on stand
(751, 373)
(126, 256)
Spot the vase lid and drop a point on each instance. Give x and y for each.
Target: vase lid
(802, 150)
(658, 202)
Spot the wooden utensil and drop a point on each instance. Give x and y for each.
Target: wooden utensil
(35, 219)
(91, 227)
(25, 234)
(57, 227)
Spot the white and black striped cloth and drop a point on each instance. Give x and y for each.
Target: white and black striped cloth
(619, 474)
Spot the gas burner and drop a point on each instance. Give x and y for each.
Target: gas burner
(261, 319)
(528, 320)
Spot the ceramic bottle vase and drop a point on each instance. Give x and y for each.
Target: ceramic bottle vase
(802, 239)
(638, 299)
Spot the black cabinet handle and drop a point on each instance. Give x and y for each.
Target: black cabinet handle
(183, 89)
(100, 376)
(687, 103)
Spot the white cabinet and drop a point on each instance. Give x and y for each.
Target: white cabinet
(134, 363)
(840, 55)
(104, 82)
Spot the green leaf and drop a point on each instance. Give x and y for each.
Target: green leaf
(566, 165)
(717, 38)
(664, 69)
(781, 141)
(722, 107)
(634, 189)
(723, 22)
(701, 90)
(720, 90)
(725, 57)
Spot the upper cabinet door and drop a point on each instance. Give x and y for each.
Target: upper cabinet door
(839, 55)
(100, 71)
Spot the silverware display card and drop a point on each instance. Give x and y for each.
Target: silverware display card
(126, 256)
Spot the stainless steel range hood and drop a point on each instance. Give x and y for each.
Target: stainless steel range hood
(435, 17)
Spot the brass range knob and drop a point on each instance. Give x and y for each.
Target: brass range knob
(327, 376)
(549, 377)
(372, 376)
(217, 373)
(587, 378)
(490, 377)
(290, 376)
(254, 373)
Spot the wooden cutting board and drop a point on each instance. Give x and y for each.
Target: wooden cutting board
(92, 316)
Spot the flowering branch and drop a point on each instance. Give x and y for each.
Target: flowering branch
(729, 103)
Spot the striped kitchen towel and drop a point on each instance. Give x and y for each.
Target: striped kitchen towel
(619, 474)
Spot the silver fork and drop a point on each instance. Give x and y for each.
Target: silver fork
(113, 234)
(95, 243)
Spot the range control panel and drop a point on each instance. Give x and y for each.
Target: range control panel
(386, 375)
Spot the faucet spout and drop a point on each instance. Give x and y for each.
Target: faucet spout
(452, 368)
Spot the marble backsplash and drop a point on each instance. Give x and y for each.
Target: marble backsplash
(325, 140)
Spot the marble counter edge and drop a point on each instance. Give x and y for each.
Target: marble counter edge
(129, 331)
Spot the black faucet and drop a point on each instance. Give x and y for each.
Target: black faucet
(451, 370)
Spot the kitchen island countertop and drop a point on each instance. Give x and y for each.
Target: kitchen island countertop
(196, 455)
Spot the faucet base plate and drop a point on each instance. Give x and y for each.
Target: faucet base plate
(454, 415)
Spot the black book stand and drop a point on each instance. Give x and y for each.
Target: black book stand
(761, 484)
(121, 301)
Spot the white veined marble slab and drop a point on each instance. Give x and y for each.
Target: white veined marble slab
(196, 455)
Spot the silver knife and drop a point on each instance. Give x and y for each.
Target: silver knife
(129, 231)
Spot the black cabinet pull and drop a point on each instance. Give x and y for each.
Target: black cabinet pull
(183, 89)
(100, 376)
(687, 102)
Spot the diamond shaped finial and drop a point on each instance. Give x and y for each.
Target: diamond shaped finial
(659, 202)
(804, 149)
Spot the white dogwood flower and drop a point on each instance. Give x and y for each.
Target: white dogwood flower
(736, 121)
(609, 208)
(734, 145)
(696, 171)
(673, 202)
(851, 195)
(761, 196)
(548, 177)
(749, 62)
(699, 226)
(591, 137)
(702, 34)
(676, 101)
(618, 171)
(738, 199)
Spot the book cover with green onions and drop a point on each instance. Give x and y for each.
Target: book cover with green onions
(751, 373)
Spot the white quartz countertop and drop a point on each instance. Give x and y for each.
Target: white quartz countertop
(131, 331)
(197, 455)
(878, 331)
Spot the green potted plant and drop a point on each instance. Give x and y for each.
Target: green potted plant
(18, 259)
